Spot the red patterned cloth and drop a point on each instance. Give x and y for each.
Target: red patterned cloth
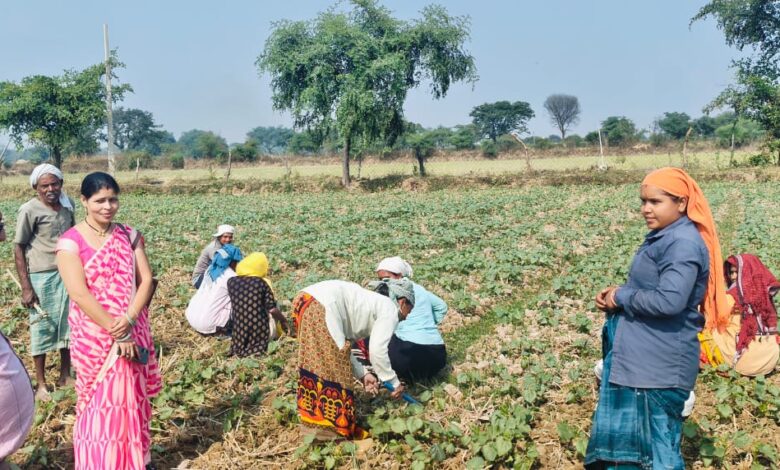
(753, 290)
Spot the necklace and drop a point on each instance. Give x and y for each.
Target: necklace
(100, 233)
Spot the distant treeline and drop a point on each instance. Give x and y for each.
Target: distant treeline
(140, 139)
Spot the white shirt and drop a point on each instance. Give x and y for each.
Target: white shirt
(210, 307)
(352, 312)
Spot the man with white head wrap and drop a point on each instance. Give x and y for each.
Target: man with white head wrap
(223, 236)
(417, 349)
(328, 316)
(40, 222)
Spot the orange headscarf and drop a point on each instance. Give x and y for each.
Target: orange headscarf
(678, 183)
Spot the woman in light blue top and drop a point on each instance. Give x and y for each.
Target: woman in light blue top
(417, 350)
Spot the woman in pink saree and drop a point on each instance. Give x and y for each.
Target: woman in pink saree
(109, 281)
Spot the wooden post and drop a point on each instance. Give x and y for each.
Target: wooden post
(685, 147)
(602, 163)
(2, 158)
(230, 164)
(137, 167)
(109, 109)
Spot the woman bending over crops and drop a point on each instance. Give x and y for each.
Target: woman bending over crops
(650, 344)
(328, 315)
(209, 309)
(749, 343)
(416, 349)
(108, 278)
(253, 307)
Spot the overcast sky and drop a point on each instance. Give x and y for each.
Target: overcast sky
(191, 63)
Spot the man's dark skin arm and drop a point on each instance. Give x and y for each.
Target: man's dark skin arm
(28, 294)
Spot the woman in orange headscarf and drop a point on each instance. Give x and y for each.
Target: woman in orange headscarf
(651, 349)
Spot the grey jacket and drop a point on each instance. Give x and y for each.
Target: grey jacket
(655, 342)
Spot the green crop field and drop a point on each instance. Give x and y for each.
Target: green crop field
(519, 268)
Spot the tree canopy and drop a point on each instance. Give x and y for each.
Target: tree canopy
(752, 24)
(270, 139)
(352, 70)
(619, 130)
(675, 125)
(58, 111)
(564, 111)
(495, 119)
(202, 144)
(135, 129)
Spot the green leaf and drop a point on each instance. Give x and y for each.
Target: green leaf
(724, 410)
(768, 451)
(690, 429)
(503, 446)
(418, 465)
(398, 425)
(414, 424)
(565, 432)
(475, 463)
(330, 462)
(489, 451)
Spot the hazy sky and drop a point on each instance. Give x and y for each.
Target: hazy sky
(191, 62)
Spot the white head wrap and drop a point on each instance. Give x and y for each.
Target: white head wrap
(49, 169)
(223, 229)
(395, 265)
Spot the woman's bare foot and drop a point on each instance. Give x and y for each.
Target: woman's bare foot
(42, 394)
(66, 381)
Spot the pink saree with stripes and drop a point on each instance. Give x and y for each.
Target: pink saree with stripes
(113, 411)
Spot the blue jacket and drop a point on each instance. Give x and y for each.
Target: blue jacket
(421, 326)
(655, 341)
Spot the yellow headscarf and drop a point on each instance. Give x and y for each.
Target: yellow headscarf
(255, 265)
(678, 183)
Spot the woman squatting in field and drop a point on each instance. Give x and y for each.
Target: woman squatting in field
(749, 343)
(650, 344)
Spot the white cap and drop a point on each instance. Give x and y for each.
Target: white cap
(223, 229)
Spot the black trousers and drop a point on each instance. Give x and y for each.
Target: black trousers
(416, 361)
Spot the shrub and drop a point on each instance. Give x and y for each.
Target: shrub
(489, 149)
(176, 161)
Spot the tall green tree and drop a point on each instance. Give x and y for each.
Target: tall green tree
(749, 24)
(202, 144)
(135, 129)
(675, 125)
(57, 111)
(619, 130)
(352, 70)
(270, 139)
(495, 119)
(752, 25)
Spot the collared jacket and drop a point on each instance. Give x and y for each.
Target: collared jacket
(655, 342)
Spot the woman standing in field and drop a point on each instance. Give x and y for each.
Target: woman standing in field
(109, 280)
(650, 344)
(328, 316)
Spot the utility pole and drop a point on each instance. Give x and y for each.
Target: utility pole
(602, 163)
(109, 110)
